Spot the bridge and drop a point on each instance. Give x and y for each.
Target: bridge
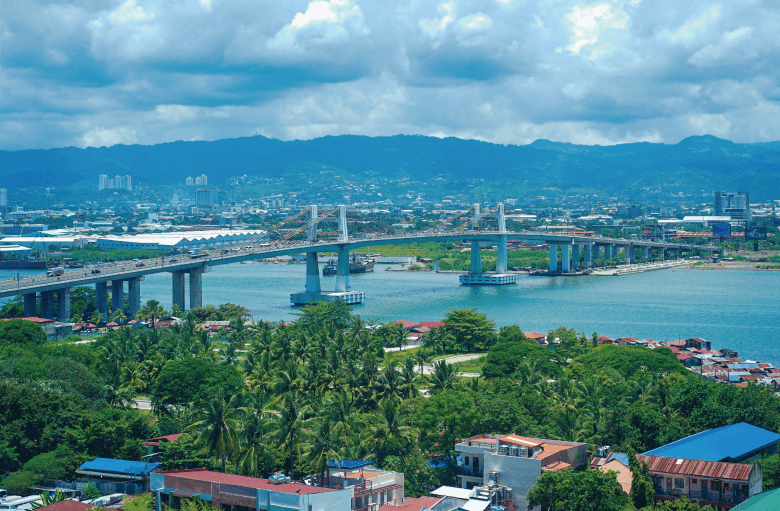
(339, 231)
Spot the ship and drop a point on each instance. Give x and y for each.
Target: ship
(357, 264)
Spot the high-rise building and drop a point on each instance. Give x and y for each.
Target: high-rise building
(190, 181)
(198, 181)
(128, 183)
(736, 206)
(103, 182)
(203, 198)
(204, 180)
(3, 197)
(119, 181)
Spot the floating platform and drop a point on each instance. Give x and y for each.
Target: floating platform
(489, 279)
(350, 297)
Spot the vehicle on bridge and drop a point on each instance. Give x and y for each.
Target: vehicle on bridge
(56, 272)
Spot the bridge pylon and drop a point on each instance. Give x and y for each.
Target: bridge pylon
(476, 277)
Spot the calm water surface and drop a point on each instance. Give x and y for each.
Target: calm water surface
(735, 309)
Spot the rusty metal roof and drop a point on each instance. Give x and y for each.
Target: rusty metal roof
(697, 468)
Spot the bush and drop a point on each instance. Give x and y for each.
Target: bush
(20, 331)
(91, 491)
(20, 482)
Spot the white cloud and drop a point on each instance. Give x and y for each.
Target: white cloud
(591, 25)
(434, 26)
(130, 12)
(100, 137)
(324, 22)
(692, 28)
(728, 48)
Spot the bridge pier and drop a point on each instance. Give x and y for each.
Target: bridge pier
(661, 253)
(177, 278)
(553, 268)
(627, 253)
(30, 305)
(47, 304)
(196, 287)
(101, 290)
(565, 258)
(500, 276)
(134, 290)
(575, 252)
(587, 255)
(117, 295)
(63, 304)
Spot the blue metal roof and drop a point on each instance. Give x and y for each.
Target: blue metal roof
(111, 466)
(621, 457)
(349, 464)
(727, 442)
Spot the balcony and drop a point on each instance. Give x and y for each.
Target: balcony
(704, 496)
(469, 472)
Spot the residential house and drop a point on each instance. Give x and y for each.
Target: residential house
(371, 486)
(536, 336)
(117, 476)
(153, 445)
(723, 485)
(514, 462)
(241, 493)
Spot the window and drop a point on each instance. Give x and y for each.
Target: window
(679, 483)
(466, 461)
(714, 485)
(694, 481)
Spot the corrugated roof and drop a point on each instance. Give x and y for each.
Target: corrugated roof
(247, 482)
(413, 504)
(623, 473)
(118, 466)
(697, 468)
(68, 505)
(719, 444)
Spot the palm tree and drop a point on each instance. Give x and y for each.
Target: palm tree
(410, 378)
(47, 501)
(219, 426)
(322, 446)
(443, 377)
(152, 310)
(96, 318)
(119, 316)
(389, 427)
(176, 311)
(254, 444)
(422, 357)
(292, 423)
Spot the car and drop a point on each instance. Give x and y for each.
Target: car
(139, 264)
(95, 271)
(172, 260)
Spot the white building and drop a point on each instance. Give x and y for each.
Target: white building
(103, 182)
(3, 197)
(179, 240)
(190, 181)
(514, 462)
(736, 206)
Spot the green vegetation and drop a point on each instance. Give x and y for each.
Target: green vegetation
(265, 397)
(96, 254)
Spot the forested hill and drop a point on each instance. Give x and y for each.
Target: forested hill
(696, 163)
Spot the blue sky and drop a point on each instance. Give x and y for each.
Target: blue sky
(96, 72)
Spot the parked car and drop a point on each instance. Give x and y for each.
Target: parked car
(95, 271)
(139, 264)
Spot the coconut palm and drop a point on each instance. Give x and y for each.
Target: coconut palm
(443, 377)
(254, 444)
(96, 318)
(218, 429)
(292, 424)
(118, 316)
(323, 445)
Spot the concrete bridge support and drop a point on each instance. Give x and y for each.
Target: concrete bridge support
(177, 278)
(627, 253)
(661, 253)
(63, 304)
(101, 290)
(312, 273)
(134, 290)
(47, 304)
(575, 255)
(117, 295)
(565, 258)
(645, 253)
(196, 287)
(30, 305)
(553, 258)
(476, 259)
(501, 258)
(587, 257)
(342, 270)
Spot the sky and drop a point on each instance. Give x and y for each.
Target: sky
(90, 73)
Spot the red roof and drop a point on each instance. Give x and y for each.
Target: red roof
(432, 324)
(678, 342)
(34, 320)
(605, 338)
(68, 505)
(683, 356)
(535, 335)
(247, 482)
(155, 442)
(413, 504)
(628, 339)
(405, 324)
(694, 468)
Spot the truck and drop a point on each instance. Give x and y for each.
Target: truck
(197, 252)
(56, 272)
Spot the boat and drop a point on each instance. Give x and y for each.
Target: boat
(330, 268)
(357, 264)
(360, 264)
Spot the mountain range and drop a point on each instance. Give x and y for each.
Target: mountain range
(701, 163)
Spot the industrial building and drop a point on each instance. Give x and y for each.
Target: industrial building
(735, 443)
(178, 240)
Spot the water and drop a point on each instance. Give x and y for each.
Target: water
(734, 309)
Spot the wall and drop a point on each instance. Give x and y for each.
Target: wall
(517, 473)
